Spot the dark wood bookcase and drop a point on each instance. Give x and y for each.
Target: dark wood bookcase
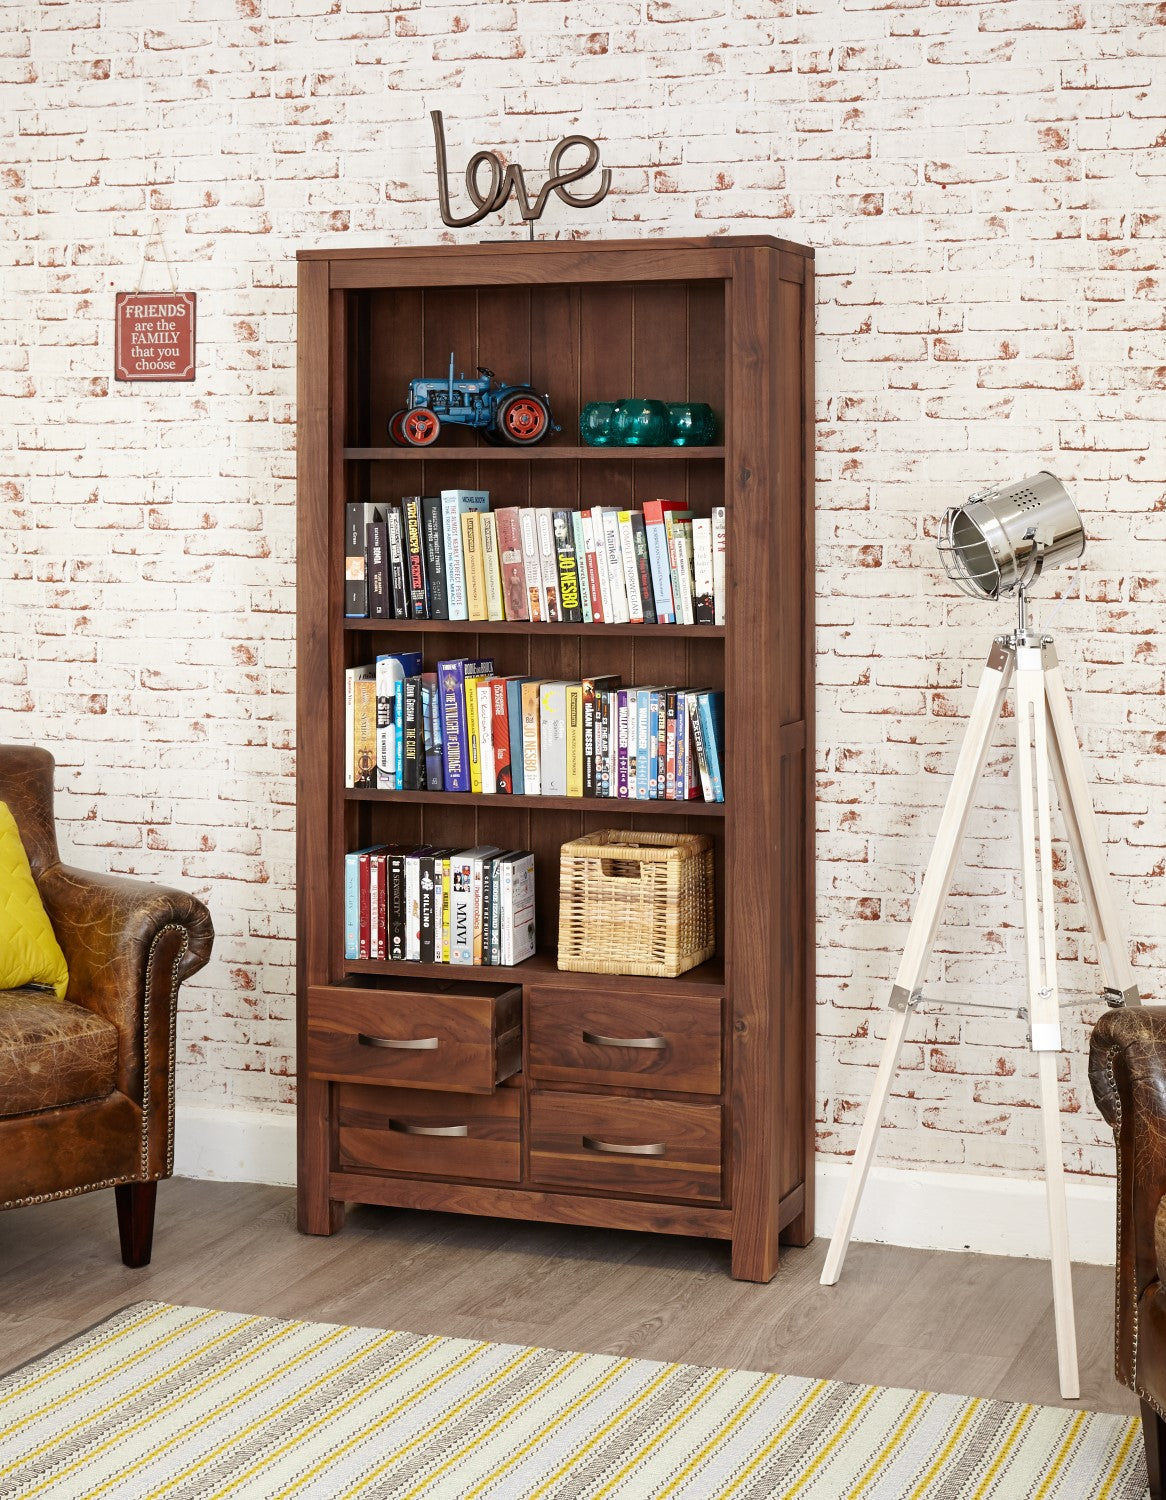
(727, 1086)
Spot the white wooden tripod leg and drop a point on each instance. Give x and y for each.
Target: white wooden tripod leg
(1084, 841)
(867, 1141)
(921, 936)
(1032, 766)
(1050, 1109)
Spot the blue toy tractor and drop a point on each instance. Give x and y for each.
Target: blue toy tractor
(502, 413)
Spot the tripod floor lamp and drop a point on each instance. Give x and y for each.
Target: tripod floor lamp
(993, 546)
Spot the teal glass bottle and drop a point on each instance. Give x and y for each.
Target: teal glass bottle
(691, 424)
(640, 423)
(595, 423)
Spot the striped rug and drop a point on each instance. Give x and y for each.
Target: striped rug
(182, 1401)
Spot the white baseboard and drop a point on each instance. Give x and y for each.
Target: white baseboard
(969, 1211)
(925, 1210)
(234, 1145)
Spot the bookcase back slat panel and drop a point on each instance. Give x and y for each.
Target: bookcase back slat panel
(660, 341)
(394, 345)
(555, 364)
(605, 351)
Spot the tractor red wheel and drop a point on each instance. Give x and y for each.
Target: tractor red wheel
(523, 418)
(420, 427)
(397, 428)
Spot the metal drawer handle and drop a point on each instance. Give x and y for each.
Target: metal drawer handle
(404, 1128)
(403, 1044)
(650, 1043)
(656, 1148)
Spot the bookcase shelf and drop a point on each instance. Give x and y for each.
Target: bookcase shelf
(549, 452)
(539, 628)
(541, 968)
(615, 807)
(723, 320)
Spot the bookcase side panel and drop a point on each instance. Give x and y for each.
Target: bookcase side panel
(753, 670)
(315, 569)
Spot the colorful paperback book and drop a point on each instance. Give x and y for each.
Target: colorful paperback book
(631, 576)
(644, 744)
(415, 557)
(473, 731)
(358, 515)
(592, 689)
(352, 899)
(390, 669)
(536, 598)
(548, 558)
(581, 564)
(380, 601)
(704, 607)
(352, 676)
(492, 566)
(574, 709)
(451, 682)
(625, 708)
(718, 564)
(531, 738)
(475, 567)
(481, 859)
(485, 721)
(514, 719)
(398, 575)
(570, 599)
(454, 503)
(364, 730)
(413, 752)
(587, 524)
(517, 915)
(613, 578)
(445, 889)
(657, 540)
(553, 739)
(461, 908)
(711, 706)
(434, 544)
(680, 556)
(395, 916)
(500, 733)
(515, 601)
(643, 567)
(433, 734)
(697, 729)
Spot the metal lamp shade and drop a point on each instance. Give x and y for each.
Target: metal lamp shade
(1005, 537)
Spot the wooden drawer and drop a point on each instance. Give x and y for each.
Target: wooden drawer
(477, 1136)
(601, 1035)
(465, 1038)
(650, 1148)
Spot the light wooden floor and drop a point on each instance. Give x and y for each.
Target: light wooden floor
(967, 1323)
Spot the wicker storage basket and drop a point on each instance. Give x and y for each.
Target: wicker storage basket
(636, 903)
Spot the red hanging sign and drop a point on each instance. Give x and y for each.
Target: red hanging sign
(154, 336)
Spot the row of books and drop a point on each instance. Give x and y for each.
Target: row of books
(450, 557)
(424, 904)
(464, 728)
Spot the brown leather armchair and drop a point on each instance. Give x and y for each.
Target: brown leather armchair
(1127, 1068)
(87, 1083)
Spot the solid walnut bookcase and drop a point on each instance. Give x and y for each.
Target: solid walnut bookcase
(541, 1106)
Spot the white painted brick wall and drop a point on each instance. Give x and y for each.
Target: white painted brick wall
(983, 184)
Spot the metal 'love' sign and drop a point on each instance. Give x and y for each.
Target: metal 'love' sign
(507, 179)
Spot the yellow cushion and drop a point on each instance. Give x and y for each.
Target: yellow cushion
(29, 951)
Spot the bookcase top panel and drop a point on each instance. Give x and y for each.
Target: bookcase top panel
(524, 248)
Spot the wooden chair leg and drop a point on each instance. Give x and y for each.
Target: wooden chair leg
(1154, 1437)
(135, 1221)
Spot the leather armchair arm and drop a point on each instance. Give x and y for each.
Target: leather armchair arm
(1127, 1070)
(129, 945)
